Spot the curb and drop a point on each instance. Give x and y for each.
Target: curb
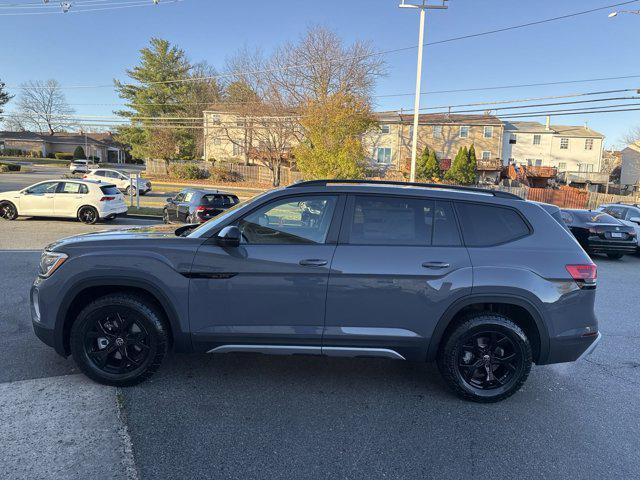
(137, 216)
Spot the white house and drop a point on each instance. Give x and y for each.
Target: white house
(570, 149)
(630, 166)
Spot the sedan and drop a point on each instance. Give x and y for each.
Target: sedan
(197, 206)
(599, 232)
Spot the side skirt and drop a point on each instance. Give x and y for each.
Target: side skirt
(308, 350)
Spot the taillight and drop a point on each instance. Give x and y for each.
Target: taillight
(107, 199)
(201, 209)
(583, 274)
(84, 176)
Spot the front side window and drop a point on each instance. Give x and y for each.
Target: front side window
(488, 132)
(290, 221)
(383, 155)
(564, 144)
(537, 139)
(42, 188)
(485, 225)
(464, 132)
(402, 221)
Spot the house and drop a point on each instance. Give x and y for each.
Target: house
(100, 145)
(389, 146)
(630, 166)
(576, 152)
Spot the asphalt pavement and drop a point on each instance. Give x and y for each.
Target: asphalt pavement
(251, 416)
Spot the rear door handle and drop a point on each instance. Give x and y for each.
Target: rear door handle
(436, 265)
(313, 262)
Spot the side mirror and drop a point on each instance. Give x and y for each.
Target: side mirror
(635, 220)
(229, 237)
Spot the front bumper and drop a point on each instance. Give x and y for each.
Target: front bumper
(44, 332)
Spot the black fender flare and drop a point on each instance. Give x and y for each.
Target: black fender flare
(181, 339)
(457, 306)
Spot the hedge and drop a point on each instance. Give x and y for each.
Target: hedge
(10, 167)
(63, 156)
(187, 171)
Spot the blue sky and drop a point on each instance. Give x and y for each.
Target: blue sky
(94, 48)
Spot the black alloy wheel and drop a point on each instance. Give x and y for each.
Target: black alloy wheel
(119, 339)
(88, 215)
(8, 211)
(485, 358)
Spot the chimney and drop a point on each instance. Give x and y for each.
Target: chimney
(548, 124)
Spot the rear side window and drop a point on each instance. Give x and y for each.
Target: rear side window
(70, 187)
(110, 190)
(402, 221)
(219, 201)
(484, 225)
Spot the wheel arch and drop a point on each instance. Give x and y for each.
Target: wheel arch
(88, 290)
(519, 309)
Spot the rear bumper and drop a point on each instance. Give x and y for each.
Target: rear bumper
(571, 349)
(612, 246)
(113, 212)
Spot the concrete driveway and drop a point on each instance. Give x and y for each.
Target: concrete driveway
(251, 416)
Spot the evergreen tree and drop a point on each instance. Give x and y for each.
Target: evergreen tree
(78, 153)
(4, 96)
(471, 166)
(421, 165)
(430, 167)
(456, 174)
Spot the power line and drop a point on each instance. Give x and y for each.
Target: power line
(87, 10)
(356, 57)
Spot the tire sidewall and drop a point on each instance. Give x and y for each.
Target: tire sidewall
(95, 218)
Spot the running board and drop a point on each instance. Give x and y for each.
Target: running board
(309, 350)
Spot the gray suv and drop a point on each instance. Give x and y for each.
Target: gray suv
(480, 281)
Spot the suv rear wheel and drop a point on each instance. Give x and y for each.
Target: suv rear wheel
(486, 358)
(119, 340)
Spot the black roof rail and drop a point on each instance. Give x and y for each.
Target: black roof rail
(321, 183)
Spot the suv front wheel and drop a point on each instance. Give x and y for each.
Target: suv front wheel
(486, 358)
(119, 340)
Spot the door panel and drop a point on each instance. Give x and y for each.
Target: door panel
(39, 201)
(272, 288)
(393, 295)
(69, 198)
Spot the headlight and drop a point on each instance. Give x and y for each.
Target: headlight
(50, 262)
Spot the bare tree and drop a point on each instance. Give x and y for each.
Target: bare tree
(274, 133)
(42, 106)
(320, 65)
(632, 136)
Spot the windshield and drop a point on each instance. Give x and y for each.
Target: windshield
(214, 222)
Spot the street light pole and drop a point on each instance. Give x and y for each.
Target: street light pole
(423, 6)
(615, 14)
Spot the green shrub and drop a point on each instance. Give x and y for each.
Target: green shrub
(187, 171)
(12, 152)
(223, 174)
(63, 156)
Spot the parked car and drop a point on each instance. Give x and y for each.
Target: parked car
(120, 180)
(599, 232)
(193, 205)
(81, 166)
(87, 201)
(628, 215)
(480, 281)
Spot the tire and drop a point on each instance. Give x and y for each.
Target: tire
(615, 256)
(88, 215)
(485, 342)
(8, 211)
(109, 352)
(128, 191)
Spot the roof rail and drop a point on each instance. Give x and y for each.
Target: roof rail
(321, 183)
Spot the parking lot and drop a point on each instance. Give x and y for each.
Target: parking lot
(250, 416)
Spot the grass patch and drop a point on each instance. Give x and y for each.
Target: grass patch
(145, 211)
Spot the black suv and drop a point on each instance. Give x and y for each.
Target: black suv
(194, 205)
(480, 281)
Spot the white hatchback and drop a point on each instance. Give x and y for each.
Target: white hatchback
(119, 179)
(86, 200)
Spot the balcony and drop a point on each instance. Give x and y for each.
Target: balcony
(584, 177)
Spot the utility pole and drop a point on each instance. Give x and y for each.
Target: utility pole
(423, 6)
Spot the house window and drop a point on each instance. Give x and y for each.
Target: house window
(538, 162)
(564, 144)
(385, 128)
(588, 144)
(216, 141)
(383, 155)
(410, 131)
(562, 166)
(488, 132)
(464, 131)
(530, 162)
(537, 139)
(215, 119)
(437, 131)
(238, 150)
(486, 155)
(585, 167)
(513, 139)
(240, 123)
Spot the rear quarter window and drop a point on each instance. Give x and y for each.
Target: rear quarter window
(486, 225)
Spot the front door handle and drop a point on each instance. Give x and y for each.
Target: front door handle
(313, 262)
(436, 265)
